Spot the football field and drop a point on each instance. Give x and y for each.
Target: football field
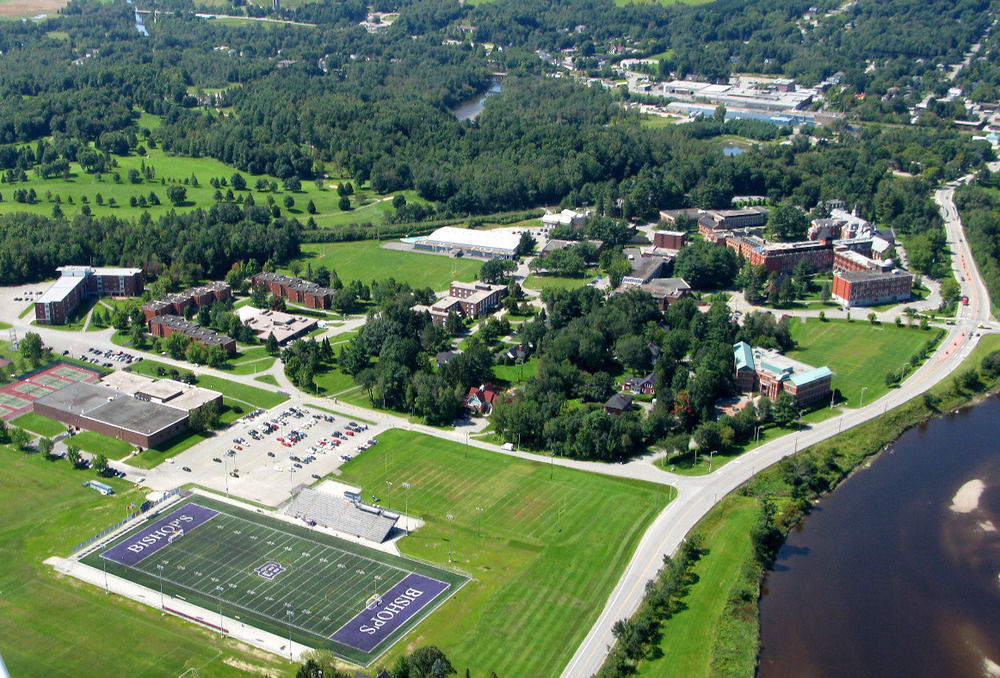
(279, 577)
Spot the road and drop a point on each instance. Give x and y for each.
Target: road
(696, 496)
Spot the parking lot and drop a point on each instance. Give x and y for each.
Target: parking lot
(266, 454)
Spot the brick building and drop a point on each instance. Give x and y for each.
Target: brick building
(196, 297)
(165, 325)
(296, 290)
(468, 300)
(782, 257)
(870, 288)
(669, 240)
(77, 283)
(768, 372)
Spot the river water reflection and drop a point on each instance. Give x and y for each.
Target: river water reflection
(896, 573)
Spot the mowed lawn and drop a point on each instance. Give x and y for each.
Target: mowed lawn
(541, 282)
(687, 638)
(44, 616)
(549, 553)
(43, 426)
(858, 352)
(367, 260)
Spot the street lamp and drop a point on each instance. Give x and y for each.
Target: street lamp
(710, 455)
(406, 506)
(479, 521)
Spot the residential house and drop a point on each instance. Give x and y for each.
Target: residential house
(618, 403)
(481, 398)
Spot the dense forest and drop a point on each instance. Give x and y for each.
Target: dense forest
(377, 107)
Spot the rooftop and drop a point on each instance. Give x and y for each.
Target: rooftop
(865, 276)
(60, 288)
(463, 237)
(113, 407)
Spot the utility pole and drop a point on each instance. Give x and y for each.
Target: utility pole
(406, 506)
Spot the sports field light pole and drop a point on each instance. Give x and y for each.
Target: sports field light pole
(388, 494)
(406, 506)
(162, 607)
(220, 590)
(105, 564)
(450, 517)
(288, 616)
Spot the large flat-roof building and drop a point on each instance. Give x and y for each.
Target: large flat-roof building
(870, 288)
(296, 290)
(464, 241)
(112, 413)
(175, 394)
(176, 304)
(165, 325)
(283, 326)
(77, 283)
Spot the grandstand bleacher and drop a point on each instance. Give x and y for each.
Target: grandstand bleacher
(332, 511)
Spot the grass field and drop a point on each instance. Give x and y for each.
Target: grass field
(45, 512)
(36, 423)
(688, 637)
(324, 581)
(367, 260)
(540, 282)
(97, 443)
(516, 374)
(858, 352)
(544, 552)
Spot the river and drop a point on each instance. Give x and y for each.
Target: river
(469, 109)
(896, 573)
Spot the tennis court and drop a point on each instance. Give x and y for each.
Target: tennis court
(281, 577)
(16, 398)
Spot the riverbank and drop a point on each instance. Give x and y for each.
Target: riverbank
(789, 490)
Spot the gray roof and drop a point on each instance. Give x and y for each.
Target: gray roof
(619, 401)
(113, 407)
(864, 276)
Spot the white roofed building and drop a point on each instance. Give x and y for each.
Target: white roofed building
(468, 242)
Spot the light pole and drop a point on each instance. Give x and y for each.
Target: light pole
(450, 518)
(220, 590)
(288, 616)
(105, 564)
(388, 494)
(479, 521)
(863, 389)
(225, 471)
(162, 608)
(406, 506)
(710, 455)
(466, 444)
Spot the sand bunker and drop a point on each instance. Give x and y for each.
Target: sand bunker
(966, 499)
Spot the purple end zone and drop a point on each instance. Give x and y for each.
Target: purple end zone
(151, 539)
(399, 604)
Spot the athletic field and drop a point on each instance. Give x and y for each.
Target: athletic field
(279, 577)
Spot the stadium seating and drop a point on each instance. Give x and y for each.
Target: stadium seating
(338, 514)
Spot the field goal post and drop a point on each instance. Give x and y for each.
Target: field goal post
(373, 601)
(175, 535)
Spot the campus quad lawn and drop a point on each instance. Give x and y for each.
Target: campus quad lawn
(36, 423)
(45, 511)
(549, 554)
(687, 638)
(858, 352)
(367, 260)
(541, 282)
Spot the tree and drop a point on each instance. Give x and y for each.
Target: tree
(30, 348)
(176, 194)
(633, 352)
(238, 182)
(787, 222)
(950, 290)
(453, 324)
(45, 446)
(73, 455)
(272, 344)
(526, 245)
(344, 203)
(785, 409)
(19, 438)
(100, 464)
(496, 271)
(310, 207)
